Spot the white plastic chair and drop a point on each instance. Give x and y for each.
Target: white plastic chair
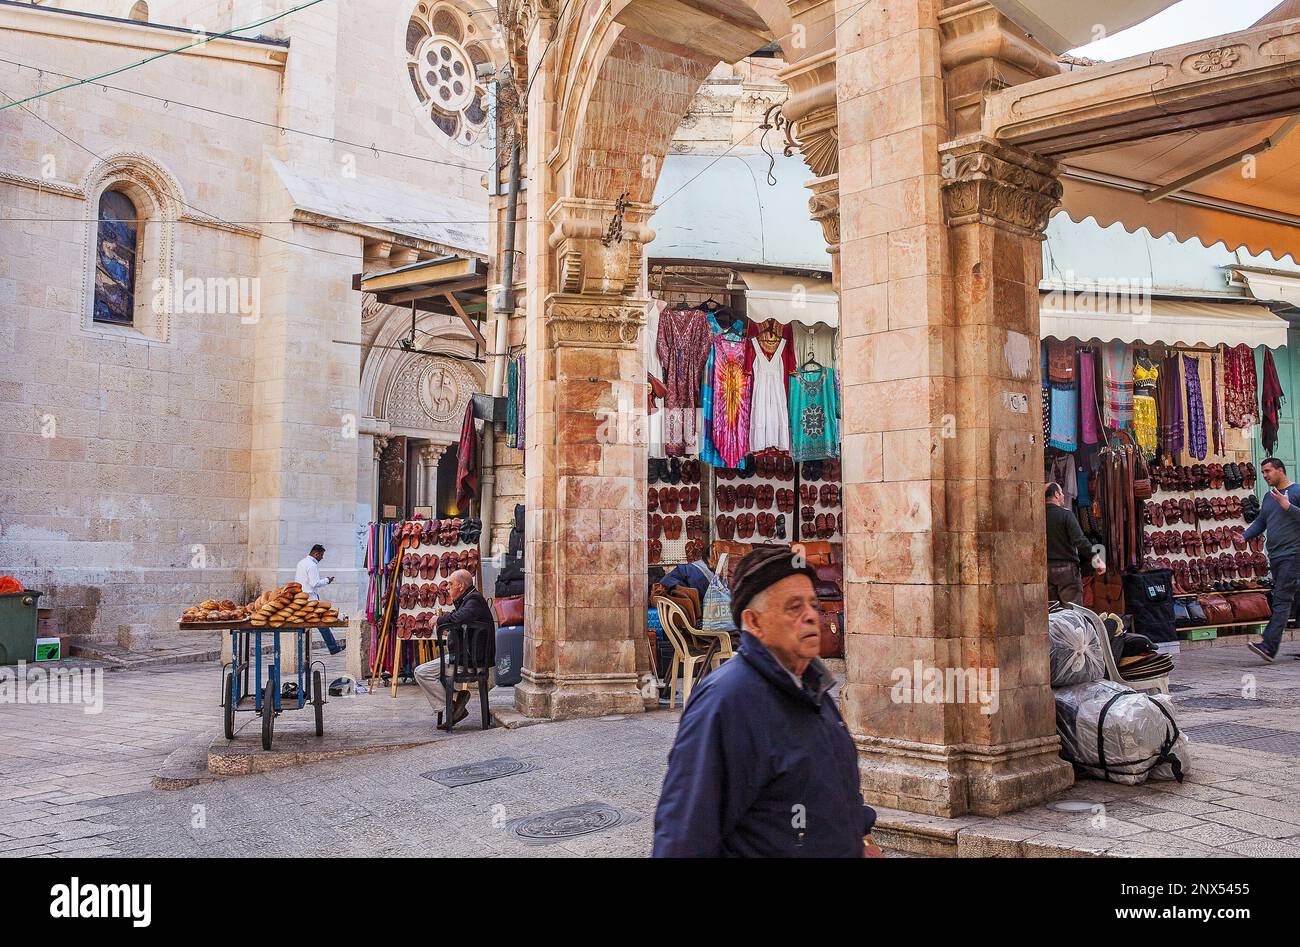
(685, 657)
(1158, 684)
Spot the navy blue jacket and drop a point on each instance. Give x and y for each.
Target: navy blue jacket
(762, 768)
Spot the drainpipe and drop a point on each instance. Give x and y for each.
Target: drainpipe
(504, 308)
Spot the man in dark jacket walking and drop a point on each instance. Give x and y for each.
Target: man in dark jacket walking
(763, 766)
(470, 608)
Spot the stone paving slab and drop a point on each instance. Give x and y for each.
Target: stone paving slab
(75, 784)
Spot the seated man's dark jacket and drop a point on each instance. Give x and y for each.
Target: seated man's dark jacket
(762, 768)
(471, 609)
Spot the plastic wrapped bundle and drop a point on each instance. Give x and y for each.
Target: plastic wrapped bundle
(1074, 638)
(1139, 738)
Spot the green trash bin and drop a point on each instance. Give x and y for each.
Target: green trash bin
(18, 627)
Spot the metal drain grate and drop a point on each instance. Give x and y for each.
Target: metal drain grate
(478, 772)
(1219, 703)
(569, 822)
(1246, 737)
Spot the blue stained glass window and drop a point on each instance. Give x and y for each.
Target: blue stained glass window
(115, 259)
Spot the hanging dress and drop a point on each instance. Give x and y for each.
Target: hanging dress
(814, 415)
(682, 347)
(734, 327)
(1089, 419)
(731, 401)
(769, 410)
(1146, 424)
(1240, 386)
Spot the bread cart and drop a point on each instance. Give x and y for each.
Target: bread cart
(244, 687)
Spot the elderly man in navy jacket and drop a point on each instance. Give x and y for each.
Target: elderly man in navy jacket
(763, 766)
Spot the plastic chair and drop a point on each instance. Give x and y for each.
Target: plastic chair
(1158, 684)
(680, 635)
(471, 659)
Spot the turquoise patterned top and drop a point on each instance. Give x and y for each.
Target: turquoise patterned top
(814, 415)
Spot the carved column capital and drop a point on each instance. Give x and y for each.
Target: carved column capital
(597, 244)
(593, 321)
(984, 182)
(431, 454)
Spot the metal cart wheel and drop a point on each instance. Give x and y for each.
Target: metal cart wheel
(228, 704)
(318, 700)
(268, 713)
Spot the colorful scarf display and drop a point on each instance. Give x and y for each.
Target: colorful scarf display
(1117, 361)
(1240, 386)
(1273, 396)
(1065, 417)
(1196, 442)
(1170, 389)
(1089, 421)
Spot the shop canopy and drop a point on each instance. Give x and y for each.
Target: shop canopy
(1227, 176)
(1062, 25)
(790, 299)
(1101, 318)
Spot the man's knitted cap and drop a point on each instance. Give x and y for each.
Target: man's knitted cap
(761, 569)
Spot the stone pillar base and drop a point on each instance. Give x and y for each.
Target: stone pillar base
(563, 698)
(964, 779)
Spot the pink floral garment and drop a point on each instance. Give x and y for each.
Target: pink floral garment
(682, 347)
(731, 401)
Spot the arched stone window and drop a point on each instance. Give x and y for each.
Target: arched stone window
(116, 259)
(444, 48)
(140, 12)
(132, 205)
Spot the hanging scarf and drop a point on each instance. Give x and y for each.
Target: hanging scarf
(512, 403)
(1216, 386)
(1088, 397)
(1170, 388)
(1060, 362)
(1118, 361)
(1240, 386)
(1196, 445)
(519, 420)
(1065, 418)
(466, 463)
(1047, 392)
(1273, 396)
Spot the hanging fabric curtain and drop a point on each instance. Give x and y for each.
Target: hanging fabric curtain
(1273, 396)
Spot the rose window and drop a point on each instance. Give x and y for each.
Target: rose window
(444, 51)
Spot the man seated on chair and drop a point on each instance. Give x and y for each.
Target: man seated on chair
(469, 608)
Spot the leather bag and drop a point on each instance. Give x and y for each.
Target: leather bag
(832, 629)
(508, 611)
(1217, 610)
(817, 553)
(1249, 606)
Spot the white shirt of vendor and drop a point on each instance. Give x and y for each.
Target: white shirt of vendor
(309, 577)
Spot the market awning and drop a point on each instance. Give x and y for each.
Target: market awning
(451, 285)
(1198, 140)
(1158, 321)
(1062, 25)
(1270, 284)
(790, 299)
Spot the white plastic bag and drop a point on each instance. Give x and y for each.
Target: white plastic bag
(1074, 643)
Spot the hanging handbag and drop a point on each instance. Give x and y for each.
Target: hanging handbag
(832, 629)
(717, 601)
(508, 611)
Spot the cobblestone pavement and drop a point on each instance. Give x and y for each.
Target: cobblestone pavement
(78, 784)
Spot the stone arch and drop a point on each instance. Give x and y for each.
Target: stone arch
(160, 200)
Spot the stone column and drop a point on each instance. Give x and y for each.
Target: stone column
(947, 693)
(430, 456)
(381, 441)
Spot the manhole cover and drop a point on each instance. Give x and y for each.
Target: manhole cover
(1179, 688)
(569, 822)
(477, 772)
(1219, 703)
(1246, 737)
(613, 717)
(1073, 805)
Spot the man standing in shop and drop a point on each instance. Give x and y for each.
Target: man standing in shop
(763, 766)
(1279, 520)
(309, 577)
(1066, 548)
